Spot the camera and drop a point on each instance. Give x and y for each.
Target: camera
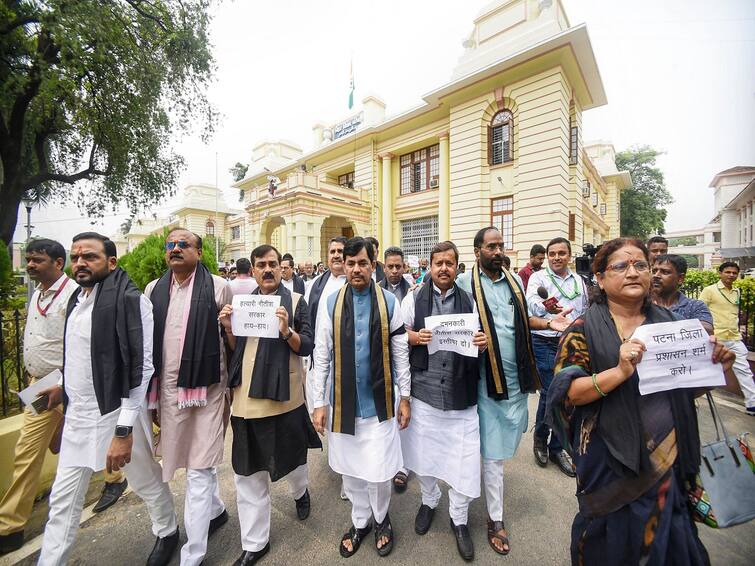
(584, 262)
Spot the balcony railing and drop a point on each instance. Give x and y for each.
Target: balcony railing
(301, 182)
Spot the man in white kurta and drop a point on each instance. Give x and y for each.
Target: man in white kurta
(191, 437)
(444, 398)
(88, 435)
(368, 455)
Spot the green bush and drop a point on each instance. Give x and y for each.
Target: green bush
(697, 279)
(146, 261)
(747, 289)
(8, 297)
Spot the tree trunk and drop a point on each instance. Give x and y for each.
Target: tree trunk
(8, 214)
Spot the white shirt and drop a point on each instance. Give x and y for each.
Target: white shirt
(407, 306)
(87, 434)
(43, 334)
(331, 286)
(288, 284)
(546, 278)
(243, 285)
(323, 356)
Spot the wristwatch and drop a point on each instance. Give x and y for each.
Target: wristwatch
(406, 397)
(123, 431)
(288, 336)
(548, 324)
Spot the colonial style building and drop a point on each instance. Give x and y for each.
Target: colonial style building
(199, 208)
(730, 235)
(501, 143)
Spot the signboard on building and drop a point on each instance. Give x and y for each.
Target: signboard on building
(347, 126)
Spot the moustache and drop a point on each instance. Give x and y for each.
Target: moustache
(178, 255)
(83, 270)
(268, 276)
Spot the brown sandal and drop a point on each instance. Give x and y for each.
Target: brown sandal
(493, 528)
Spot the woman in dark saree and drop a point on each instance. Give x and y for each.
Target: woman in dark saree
(634, 455)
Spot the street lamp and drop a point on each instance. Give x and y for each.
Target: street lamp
(28, 203)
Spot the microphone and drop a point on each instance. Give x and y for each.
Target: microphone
(548, 303)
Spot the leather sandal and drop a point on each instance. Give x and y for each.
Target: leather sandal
(384, 529)
(355, 536)
(493, 528)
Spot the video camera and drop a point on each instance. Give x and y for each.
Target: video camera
(584, 263)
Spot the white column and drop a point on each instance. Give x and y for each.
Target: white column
(386, 213)
(444, 198)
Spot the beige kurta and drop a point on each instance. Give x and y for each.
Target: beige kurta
(192, 437)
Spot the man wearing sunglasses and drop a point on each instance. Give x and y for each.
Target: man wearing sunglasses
(188, 390)
(568, 288)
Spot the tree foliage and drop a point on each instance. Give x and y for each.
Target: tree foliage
(238, 171)
(98, 91)
(643, 205)
(146, 261)
(7, 280)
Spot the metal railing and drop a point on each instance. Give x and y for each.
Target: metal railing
(12, 373)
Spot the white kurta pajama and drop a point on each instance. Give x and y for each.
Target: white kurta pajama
(192, 438)
(442, 444)
(370, 457)
(87, 436)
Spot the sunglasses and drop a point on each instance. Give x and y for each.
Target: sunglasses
(183, 244)
(621, 266)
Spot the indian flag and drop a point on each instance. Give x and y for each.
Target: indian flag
(351, 85)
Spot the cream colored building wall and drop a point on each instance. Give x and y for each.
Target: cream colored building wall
(538, 178)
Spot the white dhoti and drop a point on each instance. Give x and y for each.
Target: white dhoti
(367, 460)
(444, 445)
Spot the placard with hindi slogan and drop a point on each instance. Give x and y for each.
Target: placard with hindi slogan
(453, 333)
(678, 356)
(254, 315)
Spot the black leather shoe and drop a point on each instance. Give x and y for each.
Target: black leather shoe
(217, 522)
(163, 550)
(11, 542)
(303, 506)
(564, 463)
(110, 494)
(541, 452)
(248, 557)
(463, 541)
(424, 519)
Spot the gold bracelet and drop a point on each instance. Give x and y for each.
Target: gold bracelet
(595, 384)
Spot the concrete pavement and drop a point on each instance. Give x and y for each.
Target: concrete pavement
(540, 506)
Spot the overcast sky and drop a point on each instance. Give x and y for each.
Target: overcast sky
(679, 76)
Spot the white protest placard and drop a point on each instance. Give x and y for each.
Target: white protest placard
(453, 333)
(413, 261)
(30, 395)
(678, 356)
(254, 315)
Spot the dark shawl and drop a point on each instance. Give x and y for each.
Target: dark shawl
(315, 294)
(270, 375)
(344, 358)
(117, 341)
(618, 412)
(529, 379)
(403, 287)
(466, 369)
(200, 359)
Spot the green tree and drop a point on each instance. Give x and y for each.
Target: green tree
(683, 241)
(643, 205)
(692, 260)
(146, 261)
(98, 91)
(7, 279)
(216, 244)
(238, 171)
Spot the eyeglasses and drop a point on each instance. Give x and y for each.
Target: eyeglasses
(621, 266)
(183, 244)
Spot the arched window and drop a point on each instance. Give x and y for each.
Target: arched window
(500, 138)
(209, 228)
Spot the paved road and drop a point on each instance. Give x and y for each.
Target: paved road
(540, 505)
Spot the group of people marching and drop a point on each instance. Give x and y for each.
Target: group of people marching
(351, 362)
